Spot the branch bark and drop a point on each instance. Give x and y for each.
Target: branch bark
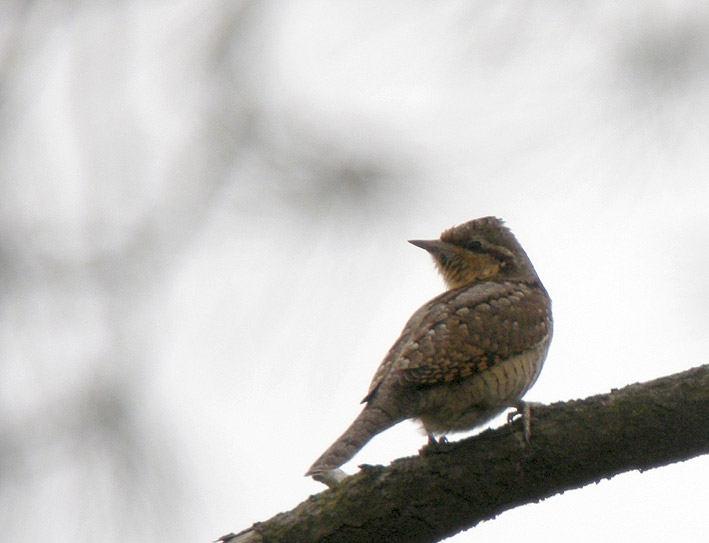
(448, 488)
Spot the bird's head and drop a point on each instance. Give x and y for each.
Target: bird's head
(478, 250)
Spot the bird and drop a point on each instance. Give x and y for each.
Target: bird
(466, 355)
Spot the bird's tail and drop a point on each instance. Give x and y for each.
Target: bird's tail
(369, 423)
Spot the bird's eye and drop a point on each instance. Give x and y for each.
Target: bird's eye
(474, 246)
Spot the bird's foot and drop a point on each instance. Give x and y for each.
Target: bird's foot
(433, 441)
(432, 446)
(523, 409)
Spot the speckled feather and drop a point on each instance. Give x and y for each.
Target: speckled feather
(466, 331)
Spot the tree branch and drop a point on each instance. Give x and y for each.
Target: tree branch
(448, 488)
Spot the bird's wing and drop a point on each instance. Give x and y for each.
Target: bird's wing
(466, 331)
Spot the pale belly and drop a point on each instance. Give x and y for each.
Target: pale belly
(462, 406)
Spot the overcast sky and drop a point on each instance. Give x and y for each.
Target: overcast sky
(204, 209)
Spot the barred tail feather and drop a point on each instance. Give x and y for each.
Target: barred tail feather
(371, 421)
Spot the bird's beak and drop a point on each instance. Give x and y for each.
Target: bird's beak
(433, 246)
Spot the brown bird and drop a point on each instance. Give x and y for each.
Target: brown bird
(466, 355)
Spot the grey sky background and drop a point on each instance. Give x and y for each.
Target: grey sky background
(204, 209)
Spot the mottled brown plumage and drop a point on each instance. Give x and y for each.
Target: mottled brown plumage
(467, 354)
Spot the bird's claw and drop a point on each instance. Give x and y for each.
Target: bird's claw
(523, 409)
